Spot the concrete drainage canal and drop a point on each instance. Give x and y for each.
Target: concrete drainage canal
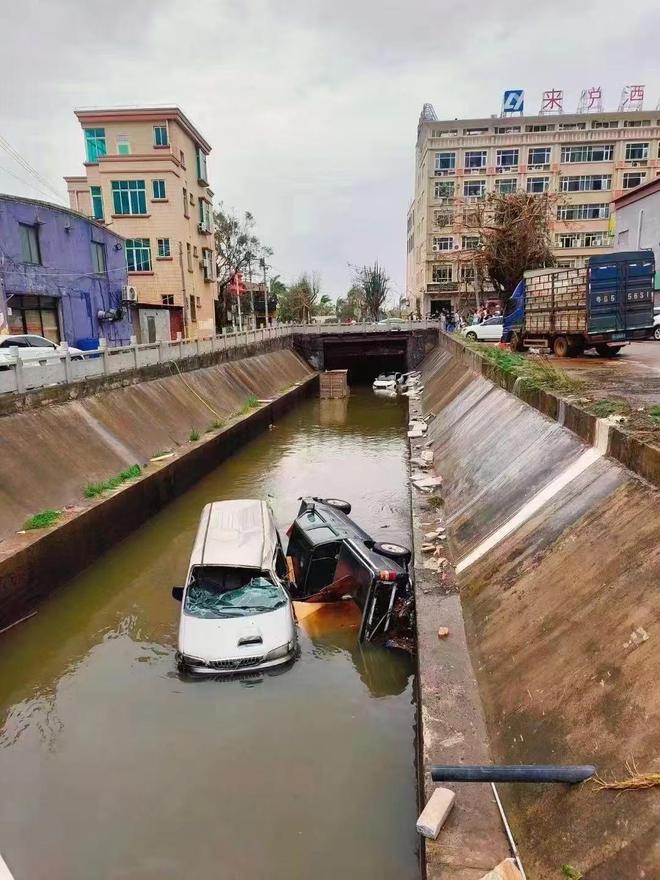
(113, 766)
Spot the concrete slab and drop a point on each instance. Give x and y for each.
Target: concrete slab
(433, 816)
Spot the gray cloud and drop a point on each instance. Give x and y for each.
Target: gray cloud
(311, 106)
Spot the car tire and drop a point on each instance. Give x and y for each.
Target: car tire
(472, 336)
(608, 351)
(397, 552)
(338, 504)
(656, 333)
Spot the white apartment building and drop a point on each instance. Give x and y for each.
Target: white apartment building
(587, 159)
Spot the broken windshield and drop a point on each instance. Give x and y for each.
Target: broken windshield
(207, 598)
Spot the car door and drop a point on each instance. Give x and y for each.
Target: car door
(492, 329)
(40, 349)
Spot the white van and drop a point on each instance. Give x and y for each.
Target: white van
(236, 613)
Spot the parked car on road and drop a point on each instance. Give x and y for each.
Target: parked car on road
(489, 330)
(393, 323)
(33, 348)
(656, 324)
(327, 548)
(236, 612)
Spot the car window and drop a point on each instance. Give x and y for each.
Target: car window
(39, 342)
(497, 320)
(18, 341)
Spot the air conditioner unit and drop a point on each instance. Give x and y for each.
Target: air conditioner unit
(201, 227)
(129, 293)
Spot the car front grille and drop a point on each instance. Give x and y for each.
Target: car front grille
(237, 663)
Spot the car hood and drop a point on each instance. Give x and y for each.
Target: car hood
(218, 638)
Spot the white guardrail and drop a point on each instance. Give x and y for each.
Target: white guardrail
(62, 368)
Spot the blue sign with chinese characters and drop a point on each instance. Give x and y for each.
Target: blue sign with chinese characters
(514, 101)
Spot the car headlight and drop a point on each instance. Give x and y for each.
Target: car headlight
(278, 653)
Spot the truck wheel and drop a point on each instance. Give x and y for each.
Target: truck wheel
(560, 347)
(516, 342)
(472, 336)
(608, 351)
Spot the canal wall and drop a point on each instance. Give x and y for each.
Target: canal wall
(50, 454)
(555, 555)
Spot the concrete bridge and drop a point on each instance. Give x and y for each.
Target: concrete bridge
(367, 349)
(361, 348)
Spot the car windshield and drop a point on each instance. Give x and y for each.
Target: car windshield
(213, 595)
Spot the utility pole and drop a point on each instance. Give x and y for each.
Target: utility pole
(262, 263)
(4, 317)
(254, 317)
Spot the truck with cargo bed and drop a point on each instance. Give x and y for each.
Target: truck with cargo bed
(602, 305)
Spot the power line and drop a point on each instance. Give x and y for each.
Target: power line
(33, 186)
(17, 157)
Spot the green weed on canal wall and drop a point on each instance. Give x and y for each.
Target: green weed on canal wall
(43, 520)
(251, 403)
(92, 490)
(535, 372)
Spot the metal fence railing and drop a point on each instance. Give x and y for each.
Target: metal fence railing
(18, 375)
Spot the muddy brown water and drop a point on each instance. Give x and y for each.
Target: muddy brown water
(113, 767)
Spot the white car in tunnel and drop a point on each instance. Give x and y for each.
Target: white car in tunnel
(236, 612)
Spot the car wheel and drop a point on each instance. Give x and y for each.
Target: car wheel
(656, 333)
(472, 336)
(337, 503)
(393, 551)
(608, 351)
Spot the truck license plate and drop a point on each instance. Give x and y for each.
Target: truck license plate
(618, 336)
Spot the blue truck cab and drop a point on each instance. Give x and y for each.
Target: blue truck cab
(614, 306)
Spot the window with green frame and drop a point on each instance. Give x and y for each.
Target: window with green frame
(160, 136)
(99, 266)
(129, 197)
(95, 143)
(158, 189)
(163, 247)
(202, 173)
(138, 254)
(97, 202)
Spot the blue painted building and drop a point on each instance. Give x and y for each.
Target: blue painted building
(61, 275)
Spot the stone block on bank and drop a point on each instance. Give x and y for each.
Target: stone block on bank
(506, 870)
(434, 814)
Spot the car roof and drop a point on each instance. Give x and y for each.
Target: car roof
(238, 534)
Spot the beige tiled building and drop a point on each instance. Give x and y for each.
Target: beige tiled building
(587, 159)
(146, 178)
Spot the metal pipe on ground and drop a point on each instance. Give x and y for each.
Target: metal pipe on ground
(567, 773)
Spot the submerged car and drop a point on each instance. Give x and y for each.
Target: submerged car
(330, 552)
(236, 612)
(386, 381)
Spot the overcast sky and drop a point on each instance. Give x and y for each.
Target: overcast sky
(311, 106)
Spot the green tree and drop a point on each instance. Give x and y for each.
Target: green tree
(325, 306)
(373, 281)
(304, 296)
(514, 232)
(280, 291)
(351, 307)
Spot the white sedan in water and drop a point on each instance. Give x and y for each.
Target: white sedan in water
(489, 330)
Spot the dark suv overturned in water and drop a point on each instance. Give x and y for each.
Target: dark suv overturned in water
(331, 552)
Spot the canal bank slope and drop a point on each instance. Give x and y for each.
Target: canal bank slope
(190, 421)
(556, 553)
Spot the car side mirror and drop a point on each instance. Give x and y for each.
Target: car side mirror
(177, 593)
